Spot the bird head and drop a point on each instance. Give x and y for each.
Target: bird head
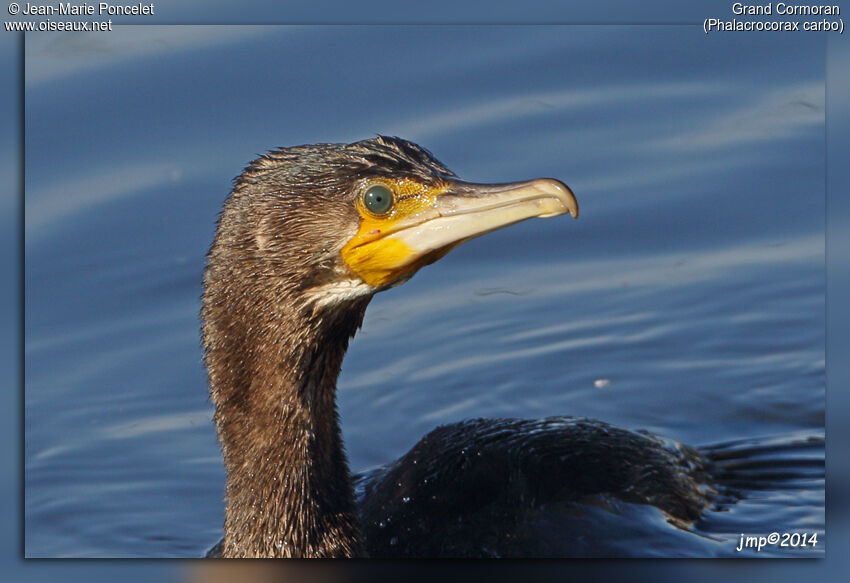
(341, 221)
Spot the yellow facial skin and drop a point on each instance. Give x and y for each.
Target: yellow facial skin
(426, 221)
(380, 260)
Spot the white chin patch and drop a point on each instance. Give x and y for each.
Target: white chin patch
(339, 291)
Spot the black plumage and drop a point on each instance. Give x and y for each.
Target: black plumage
(280, 304)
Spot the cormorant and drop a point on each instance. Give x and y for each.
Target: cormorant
(308, 235)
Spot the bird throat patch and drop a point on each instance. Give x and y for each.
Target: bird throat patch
(376, 257)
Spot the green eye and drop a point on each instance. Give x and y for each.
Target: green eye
(378, 199)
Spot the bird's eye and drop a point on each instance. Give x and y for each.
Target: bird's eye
(378, 199)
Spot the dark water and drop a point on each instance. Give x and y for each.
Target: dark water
(687, 300)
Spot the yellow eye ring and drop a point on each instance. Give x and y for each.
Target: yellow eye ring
(378, 199)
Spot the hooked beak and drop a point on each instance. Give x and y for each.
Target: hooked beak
(391, 254)
(469, 210)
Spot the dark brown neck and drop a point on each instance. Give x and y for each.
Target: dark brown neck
(273, 379)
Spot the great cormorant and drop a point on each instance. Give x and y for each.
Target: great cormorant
(308, 235)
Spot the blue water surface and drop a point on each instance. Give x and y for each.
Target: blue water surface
(688, 299)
